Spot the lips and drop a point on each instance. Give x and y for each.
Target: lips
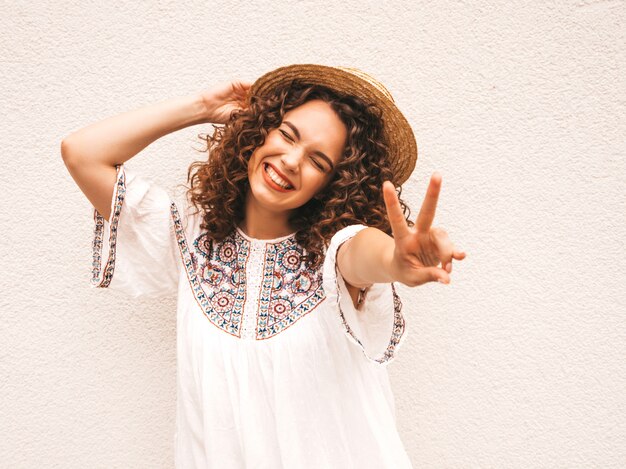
(282, 176)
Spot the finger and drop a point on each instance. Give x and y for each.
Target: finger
(242, 91)
(431, 274)
(241, 88)
(443, 246)
(459, 255)
(448, 266)
(429, 205)
(245, 86)
(395, 216)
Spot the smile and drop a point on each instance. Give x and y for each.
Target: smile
(275, 180)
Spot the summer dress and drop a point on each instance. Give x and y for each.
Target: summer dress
(275, 366)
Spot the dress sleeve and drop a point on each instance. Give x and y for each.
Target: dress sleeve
(378, 326)
(135, 252)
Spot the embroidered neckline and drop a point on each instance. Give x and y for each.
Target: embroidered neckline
(266, 241)
(251, 291)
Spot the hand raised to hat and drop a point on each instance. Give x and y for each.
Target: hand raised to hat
(420, 248)
(222, 99)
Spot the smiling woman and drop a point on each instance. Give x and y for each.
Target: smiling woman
(283, 261)
(285, 162)
(329, 146)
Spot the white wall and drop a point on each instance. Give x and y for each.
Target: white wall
(518, 363)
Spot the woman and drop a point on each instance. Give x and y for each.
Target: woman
(283, 338)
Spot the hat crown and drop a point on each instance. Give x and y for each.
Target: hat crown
(361, 74)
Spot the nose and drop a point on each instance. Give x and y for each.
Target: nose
(291, 159)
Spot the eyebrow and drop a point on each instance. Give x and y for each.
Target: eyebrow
(319, 153)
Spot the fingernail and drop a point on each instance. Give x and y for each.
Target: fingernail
(441, 281)
(449, 267)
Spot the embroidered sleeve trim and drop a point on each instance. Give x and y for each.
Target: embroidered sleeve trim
(399, 324)
(397, 336)
(99, 239)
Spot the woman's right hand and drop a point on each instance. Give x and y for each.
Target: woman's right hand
(222, 99)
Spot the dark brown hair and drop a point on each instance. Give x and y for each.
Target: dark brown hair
(219, 184)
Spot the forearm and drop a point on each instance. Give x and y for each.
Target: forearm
(117, 139)
(365, 258)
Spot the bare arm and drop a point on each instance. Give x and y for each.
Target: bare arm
(411, 256)
(364, 258)
(91, 153)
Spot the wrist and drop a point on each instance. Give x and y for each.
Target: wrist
(200, 109)
(387, 261)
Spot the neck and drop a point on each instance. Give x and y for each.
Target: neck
(262, 223)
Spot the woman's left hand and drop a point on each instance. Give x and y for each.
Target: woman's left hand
(420, 248)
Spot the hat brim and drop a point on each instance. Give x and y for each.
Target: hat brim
(402, 145)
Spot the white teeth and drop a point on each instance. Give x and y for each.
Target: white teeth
(276, 178)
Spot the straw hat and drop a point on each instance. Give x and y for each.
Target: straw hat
(402, 147)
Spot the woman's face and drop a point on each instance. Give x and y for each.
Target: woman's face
(301, 153)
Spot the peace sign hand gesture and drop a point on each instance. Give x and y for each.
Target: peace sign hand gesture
(419, 249)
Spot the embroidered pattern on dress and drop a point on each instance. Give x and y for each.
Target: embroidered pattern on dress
(223, 274)
(120, 192)
(399, 324)
(396, 335)
(220, 316)
(289, 291)
(217, 274)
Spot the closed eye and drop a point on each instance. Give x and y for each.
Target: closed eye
(287, 135)
(318, 165)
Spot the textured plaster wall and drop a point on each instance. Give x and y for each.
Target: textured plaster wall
(518, 363)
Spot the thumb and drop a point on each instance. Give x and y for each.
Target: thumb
(432, 274)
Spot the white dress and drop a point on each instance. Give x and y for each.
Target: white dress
(276, 367)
